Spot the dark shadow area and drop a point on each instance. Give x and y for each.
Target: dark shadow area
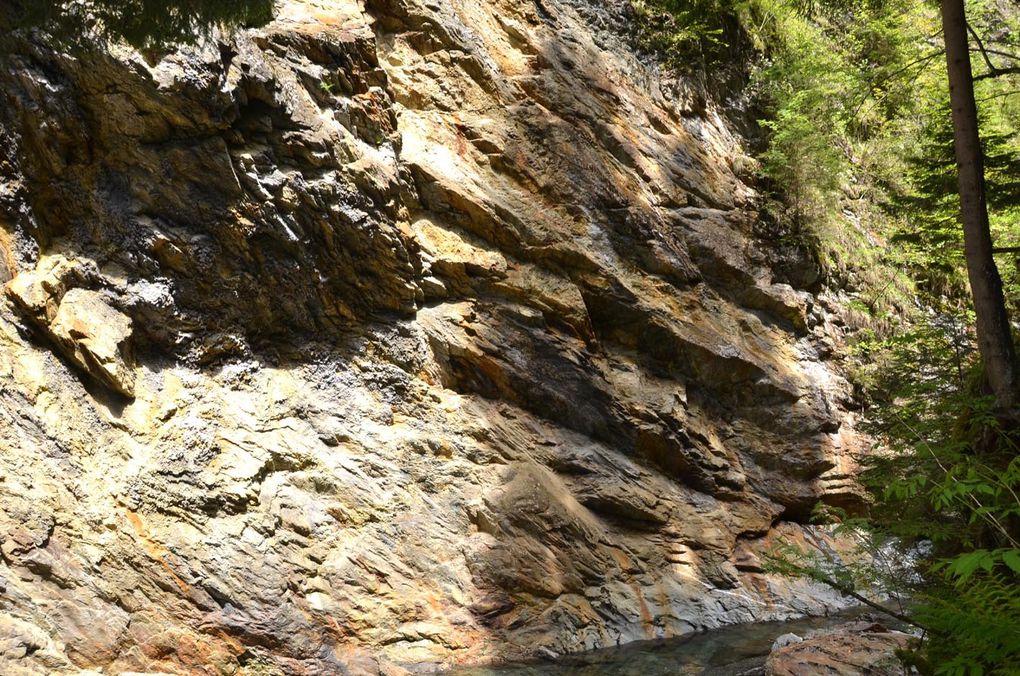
(143, 24)
(228, 211)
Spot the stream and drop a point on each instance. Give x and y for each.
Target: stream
(728, 651)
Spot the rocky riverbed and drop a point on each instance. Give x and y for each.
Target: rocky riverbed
(849, 643)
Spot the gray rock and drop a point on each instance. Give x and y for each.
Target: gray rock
(785, 640)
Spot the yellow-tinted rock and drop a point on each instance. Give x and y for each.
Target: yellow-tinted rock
(37, 292)
(96, 337)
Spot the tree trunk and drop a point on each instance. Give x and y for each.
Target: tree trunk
(995, 339)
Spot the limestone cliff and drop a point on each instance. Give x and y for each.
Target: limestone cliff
(394, 334)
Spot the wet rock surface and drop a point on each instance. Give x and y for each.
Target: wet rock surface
(391, 336)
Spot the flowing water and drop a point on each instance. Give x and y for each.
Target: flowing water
(728, 651)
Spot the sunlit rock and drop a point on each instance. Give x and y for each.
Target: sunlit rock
(445, 335)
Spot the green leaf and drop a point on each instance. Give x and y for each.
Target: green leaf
(965, 565)
(1011, 558)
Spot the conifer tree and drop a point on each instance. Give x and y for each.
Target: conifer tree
(995, 340)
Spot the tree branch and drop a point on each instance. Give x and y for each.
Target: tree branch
(785, 566)
(1012, 70)
(842, 589)
(981, 48)
(999, 95)
(1007, 55)
(993, 70)
(872, 84)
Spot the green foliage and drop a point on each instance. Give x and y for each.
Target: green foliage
(977, 626)
(930, 202)
(949, 475)
(836, 124)
(961, 568)
(825, 74)
(144, 24)
(805, 84)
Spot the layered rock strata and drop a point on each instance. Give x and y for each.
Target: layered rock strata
(392, 335)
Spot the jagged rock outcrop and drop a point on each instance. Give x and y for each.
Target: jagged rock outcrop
(391, 335)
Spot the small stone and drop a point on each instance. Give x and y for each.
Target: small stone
(785, 640)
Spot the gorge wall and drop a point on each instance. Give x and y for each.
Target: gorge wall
(393, 335)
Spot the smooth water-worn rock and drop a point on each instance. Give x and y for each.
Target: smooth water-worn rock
(846, 650)
(393, 335)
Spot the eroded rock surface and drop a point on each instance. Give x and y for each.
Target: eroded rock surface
(847, 650)
(392, 335)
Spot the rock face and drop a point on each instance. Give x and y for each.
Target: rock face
(392, 335)
(847, 650)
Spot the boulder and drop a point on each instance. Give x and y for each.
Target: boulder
(847, 650)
